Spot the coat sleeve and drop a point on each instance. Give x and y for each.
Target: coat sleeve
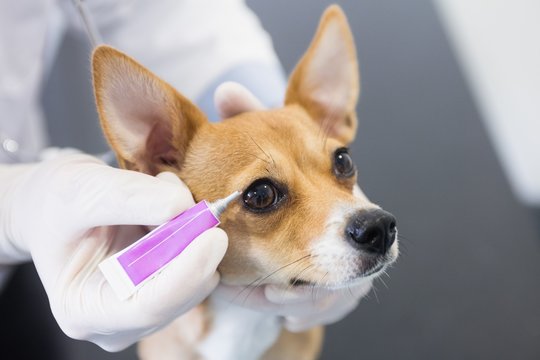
(192, 44)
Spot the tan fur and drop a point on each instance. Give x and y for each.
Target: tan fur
(179, 339)
(145, 91)
(299, 346)
(300, 89)
(293, 145)
(275, 132)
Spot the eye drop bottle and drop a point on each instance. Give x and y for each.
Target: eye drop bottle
(129, 269)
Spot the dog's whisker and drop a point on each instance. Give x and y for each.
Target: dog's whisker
(273, 161)
(382, 280)
(350, 292)
(252, 288)
(401, 236)
(403, 249)
(401, 242)
(313, 286)
(375, 294)
(264, 152)
(297, 277)
(259, 280)
(266, 161)
(292, 263)
(321, 283)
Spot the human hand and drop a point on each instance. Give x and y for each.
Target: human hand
(70, 213)
(301, 308)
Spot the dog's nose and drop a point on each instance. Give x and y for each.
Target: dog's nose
(373, 231)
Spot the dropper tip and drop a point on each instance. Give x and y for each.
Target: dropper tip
(219, 206)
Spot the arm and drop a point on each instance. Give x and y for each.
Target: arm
(194, 45)
(65, 215)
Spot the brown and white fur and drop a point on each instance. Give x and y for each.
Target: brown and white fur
(152, 128)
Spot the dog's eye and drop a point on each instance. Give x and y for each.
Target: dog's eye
(343, 163)
(262, 195)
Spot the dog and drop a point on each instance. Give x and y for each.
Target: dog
(302, 220)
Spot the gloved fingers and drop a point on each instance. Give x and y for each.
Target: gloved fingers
(297, 303)
(118, 197)
(116, 342)
(171, 178)
(231, 99)
(187, 279)
(279, 295)
(255, 298)
(114, 324)
(329, 316)
(245, 296)
(341, 303)
(361, 289)
(83, 192)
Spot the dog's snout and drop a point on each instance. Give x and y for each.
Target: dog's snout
(373, 231)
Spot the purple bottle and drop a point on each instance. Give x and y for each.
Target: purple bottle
(130, 268)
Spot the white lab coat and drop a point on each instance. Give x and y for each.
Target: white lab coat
(190, 43)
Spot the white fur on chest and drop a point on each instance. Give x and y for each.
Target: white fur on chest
(238, 333)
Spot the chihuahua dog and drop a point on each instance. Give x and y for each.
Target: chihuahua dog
(301, 220)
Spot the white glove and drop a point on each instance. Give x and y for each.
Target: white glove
(70, 213)
(300, 308)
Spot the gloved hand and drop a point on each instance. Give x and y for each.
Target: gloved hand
(70, 213)
(300, 308)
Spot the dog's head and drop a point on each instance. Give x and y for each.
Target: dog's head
(301, 219)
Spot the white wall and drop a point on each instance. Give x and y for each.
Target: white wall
(498, 45)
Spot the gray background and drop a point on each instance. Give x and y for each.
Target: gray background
(467, 283)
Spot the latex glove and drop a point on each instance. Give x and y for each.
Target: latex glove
(316, 307)
(69, 214)
(300, 308)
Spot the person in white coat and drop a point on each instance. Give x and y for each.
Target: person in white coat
(63, 213)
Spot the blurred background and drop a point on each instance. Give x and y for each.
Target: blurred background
(467, 284)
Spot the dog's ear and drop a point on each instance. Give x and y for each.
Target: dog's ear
(146, 121)
(326, 81)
